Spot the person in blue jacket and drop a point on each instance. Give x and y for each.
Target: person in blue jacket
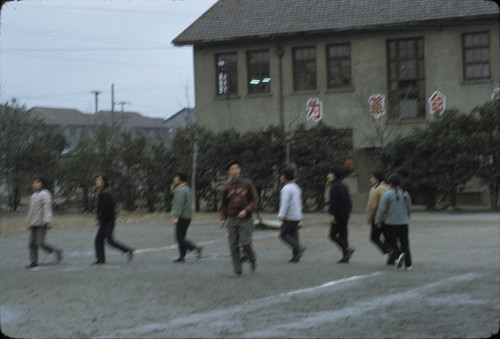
(393, 214)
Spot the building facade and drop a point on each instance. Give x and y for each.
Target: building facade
(259, 63)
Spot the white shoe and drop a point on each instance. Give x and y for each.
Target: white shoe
(409, 268)
(400, 260)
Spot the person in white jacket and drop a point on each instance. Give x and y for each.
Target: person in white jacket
(290, 213)
(39, 221)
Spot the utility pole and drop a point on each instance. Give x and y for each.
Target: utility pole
(96, 93)
(193, 177)
(123, 103)
(112, 97)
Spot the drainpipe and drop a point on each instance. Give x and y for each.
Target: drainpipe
(281, 52)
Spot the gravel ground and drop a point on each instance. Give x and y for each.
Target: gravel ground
(452, 292)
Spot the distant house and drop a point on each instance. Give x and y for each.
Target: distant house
(258, 62)
(76, 125)
(183, 118)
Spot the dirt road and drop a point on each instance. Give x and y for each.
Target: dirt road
(453, 290)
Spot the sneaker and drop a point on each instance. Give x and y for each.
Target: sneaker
(198, 252)
(58, 256)
(343, 260)
(130, 254)
(294, 260)
(99, 262)
(32, 265)
(180, 259)
(409, 268)
(253, 266)
(235, 275)
(400, 260)
(348, 253)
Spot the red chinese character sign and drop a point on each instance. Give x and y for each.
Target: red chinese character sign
(496, 94)
(437, 103)
(314, 108)
(377, 105)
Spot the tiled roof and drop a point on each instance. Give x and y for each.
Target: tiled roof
(73, 117)
(232, 20)
(130, 119)
(62, 116)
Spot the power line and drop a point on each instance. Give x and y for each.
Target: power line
(102, 49)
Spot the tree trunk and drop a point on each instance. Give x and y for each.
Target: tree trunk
(494, 187)
(14, 195)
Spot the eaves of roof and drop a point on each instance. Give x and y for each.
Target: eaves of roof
(225, 23)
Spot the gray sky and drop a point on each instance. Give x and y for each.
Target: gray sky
(53, 53)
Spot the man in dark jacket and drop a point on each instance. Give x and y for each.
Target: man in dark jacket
(339, 208)
(106, 221)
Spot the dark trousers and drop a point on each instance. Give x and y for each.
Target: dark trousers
(37, 239)
(397, 238)
(338, 232)
(180, 233)
(105, 232)
(289, 234)
(375, 237)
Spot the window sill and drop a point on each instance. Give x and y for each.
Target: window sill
(258, 95)
(228, 97)
(339, 90)
(476, 81)
(306, 92)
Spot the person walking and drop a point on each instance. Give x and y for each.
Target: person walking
(239, 199)
(339, 207)
(394, 213)
(376, 192)
(39, 221)
(182, 212)
(106, 218)
(290, 213)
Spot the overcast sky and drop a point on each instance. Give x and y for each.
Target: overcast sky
(54, 53)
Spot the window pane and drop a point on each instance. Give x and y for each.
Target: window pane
(407, 70)
(484, 40)
(476, 39)
(406, 74)
(484, 55)
(226, 74)
(468, 40)
(485, 71)
(392, 70)
(339, 64)
(420, 68)
(420, 48)
(476, 55)
(345, 67)
(259, 80)
(469, 54)
(304, 68)
(409, 108)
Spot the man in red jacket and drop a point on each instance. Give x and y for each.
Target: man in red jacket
(239, 199)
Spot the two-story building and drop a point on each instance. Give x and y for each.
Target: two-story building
(258, 62)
